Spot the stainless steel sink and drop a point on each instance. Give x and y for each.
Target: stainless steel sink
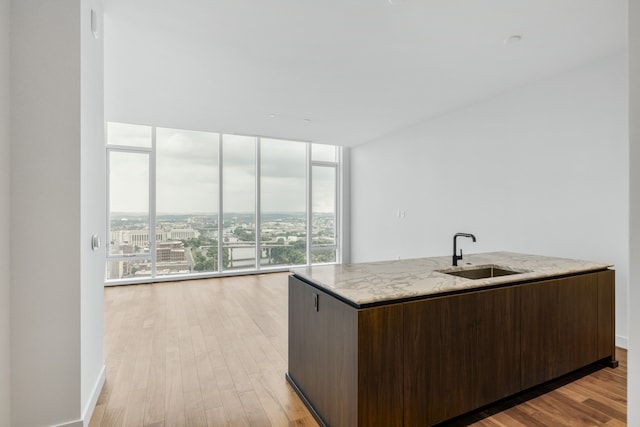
(480, 272)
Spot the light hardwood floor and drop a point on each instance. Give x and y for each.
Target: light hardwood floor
(214, 353)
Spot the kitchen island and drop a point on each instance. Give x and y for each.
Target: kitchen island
(417, 342)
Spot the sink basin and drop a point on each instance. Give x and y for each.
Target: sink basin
(480, 272)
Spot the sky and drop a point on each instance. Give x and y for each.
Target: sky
(187, 172)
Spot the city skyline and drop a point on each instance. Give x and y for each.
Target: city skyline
(190, 243)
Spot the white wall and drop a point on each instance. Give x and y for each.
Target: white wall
(45, 207)
(633, 380)
(4, 214)
(55, 127)
(93, 207)
(542, 169)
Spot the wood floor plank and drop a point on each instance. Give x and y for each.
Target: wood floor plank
(214, 353)
(134, 411)
(174, 395)
(613, 409)
(154, 411)
(113, 417)
(274, 411)
(616, 423)
(98, 414)
(208, 385)
(253, 409)
(233, 408)
(506, 420)
(217, 417)
(611, 412)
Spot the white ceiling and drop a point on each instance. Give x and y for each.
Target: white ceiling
(337, 71)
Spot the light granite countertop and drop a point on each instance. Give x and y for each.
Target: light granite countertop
(375, 282)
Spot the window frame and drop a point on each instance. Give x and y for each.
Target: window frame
(257, 268)
(335, 165)
(135, 256)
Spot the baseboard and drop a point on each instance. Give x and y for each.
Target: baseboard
(93, 399)
(622, 342)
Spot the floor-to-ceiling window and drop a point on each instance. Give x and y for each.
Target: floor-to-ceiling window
(324, 197)
(186, 201)
(129, 180)
(283, 202)
(218, 203)
(239, 178)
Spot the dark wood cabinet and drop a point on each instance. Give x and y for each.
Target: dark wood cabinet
(559, 335)
(566, 324)
(606, 315)
(323, 355)
(345, 361)
(425, 361)
(461, 353)
(380, 358)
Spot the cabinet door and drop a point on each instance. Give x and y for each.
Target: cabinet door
(461, 352)
(606, 315)
(559, 327)
(323, 358)
(380, 366)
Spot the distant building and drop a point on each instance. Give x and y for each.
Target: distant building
(141, 237)
(115, 269)
(183, 234)
(170, 252)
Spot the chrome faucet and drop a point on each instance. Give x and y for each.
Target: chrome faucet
(455, 257)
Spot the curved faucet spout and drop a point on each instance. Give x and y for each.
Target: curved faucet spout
(457, 257)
